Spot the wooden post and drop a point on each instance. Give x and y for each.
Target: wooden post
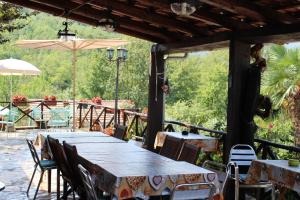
(239, 63)
(80, 115)
(91, 117)
(156, 96)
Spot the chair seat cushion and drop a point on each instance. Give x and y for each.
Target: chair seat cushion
(48, 163)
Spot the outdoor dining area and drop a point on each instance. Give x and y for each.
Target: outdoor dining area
(88, 150)
(95, 165)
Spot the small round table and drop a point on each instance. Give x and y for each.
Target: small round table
(2, 186)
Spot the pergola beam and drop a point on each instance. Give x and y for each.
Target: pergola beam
(84, 17)
(279, 34)
(95, 14)
(251, 10)
(202, 15)
(151, 17)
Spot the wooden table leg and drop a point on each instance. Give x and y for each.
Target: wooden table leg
(49, 181)
(58, 184)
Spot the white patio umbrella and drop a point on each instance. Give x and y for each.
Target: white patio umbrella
(13, 67)
(72, 45)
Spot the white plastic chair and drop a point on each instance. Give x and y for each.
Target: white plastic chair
(240, 158)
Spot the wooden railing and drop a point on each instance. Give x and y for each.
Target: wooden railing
(263, 148)
(137, 126)
(98, 117)
(25, 110)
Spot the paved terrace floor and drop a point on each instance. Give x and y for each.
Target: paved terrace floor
(16, 167)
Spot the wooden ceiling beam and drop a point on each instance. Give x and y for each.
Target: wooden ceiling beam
(79, 18)
(151, 17)
(95, 14)
(136, 34)
(278, 34)
(201, 14)
(70, 7)
(251, 10)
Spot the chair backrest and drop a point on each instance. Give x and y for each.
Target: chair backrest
(13, 114)
(189, 153)
(72, 157)
(33, 152)
(120, 131)
(221, 170)
(59, 117)
(36, 113)
(60, 158)
(87, 183)
(171, 147)
(193, 191)
(242, 155)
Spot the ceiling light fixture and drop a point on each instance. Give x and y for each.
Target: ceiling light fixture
(183, 7)
(108, 23)
(65, 34)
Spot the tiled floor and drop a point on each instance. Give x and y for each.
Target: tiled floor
(16, 167)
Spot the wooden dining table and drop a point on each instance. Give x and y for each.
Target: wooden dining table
(276, 171)
(127, 171)
(205, 143)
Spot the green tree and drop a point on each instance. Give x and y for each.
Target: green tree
(282, 82)
(9, 14)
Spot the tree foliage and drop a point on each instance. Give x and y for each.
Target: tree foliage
(10, 16)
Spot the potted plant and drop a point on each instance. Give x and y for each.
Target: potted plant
(20, 100)
(109, 130)
(97, 100)
(50, 100)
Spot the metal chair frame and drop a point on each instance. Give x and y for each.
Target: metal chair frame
(243, 157)
(37, 162)
(211, 186)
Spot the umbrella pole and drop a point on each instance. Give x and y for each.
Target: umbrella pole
(10, 103)
(74, 91)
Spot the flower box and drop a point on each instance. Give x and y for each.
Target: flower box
(20, 103)
(97, 100)
(20, 100)
(50, 100)
(50, 103)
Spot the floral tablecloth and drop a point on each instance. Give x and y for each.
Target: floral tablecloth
(206, 143)
(126, 186)
(276, 171)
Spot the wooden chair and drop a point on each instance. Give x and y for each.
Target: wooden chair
(63, 165)
(45, 165)
(120, 131)
(171, 147)
(240, 158)
(72, 157)
(189, 153)
(192, 191)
